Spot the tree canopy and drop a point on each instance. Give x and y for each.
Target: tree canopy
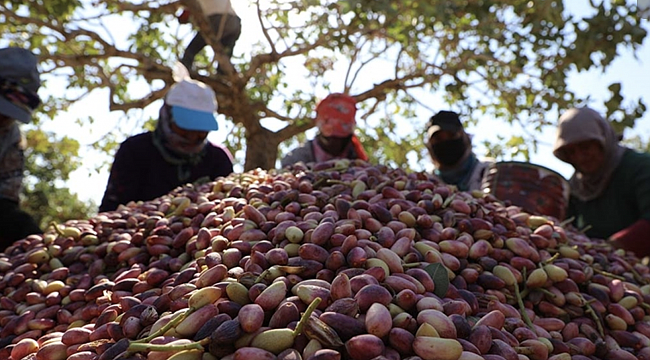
(508, 59)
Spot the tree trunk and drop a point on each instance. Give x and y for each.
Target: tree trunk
(261, 149)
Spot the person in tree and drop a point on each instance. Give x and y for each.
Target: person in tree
(225, 23)
(336, 122)
(177, 152)
(19, 83)
(450, 148)
(610, 188)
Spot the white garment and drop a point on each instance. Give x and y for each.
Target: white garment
(478, 174)
(211, 7)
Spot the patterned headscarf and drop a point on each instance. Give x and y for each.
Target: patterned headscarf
(582, 124)
(335, 115)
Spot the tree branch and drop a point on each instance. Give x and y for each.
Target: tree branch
(141, 103)
(262, 59)
(264, 30)
(293, 130)
(353, 58)
(26, 21)
(379, 90)
(270, 113)
(363, 63)
(371, 110)
(124, 6)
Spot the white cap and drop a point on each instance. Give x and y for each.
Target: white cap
(193, 105)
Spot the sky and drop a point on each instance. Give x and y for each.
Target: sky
(634, 74)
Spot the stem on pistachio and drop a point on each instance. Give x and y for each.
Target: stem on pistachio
(594, 316)
(56, 228)
(609, 274)
(410, 265)
(522, 308)
(146, 347)
(305, 316)
(172, 322)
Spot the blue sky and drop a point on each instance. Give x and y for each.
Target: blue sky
(634, 74)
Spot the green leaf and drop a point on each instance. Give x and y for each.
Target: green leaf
(440, 277)
(508, 60)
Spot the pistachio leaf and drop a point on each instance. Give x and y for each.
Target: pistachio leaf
(440, 278)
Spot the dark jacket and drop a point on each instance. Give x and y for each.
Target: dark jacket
(625, 202)
(140, 172)
(15, 224)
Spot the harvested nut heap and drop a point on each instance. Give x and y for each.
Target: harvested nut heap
(340, 261)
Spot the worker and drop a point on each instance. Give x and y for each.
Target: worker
(451, 151)
(177, 152)
(610, 188)
(19, 83)
(336, 122)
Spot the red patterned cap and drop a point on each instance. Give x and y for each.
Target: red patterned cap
(335, 115)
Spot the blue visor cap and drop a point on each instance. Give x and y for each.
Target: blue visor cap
(196, 120)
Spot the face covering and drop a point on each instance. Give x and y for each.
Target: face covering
(175, 149)
(449, 152)
(334, 145)
(174, 141)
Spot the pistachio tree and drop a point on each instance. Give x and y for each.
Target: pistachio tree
(508, 59)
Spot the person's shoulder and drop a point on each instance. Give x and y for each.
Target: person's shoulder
(300, 148)
(632, 154)
(635, 161)
(634, 158)
(139, 138)
(484, 163)
(11, 133)
(135, 148)
(301, 153)
(137, 143)
(219, 150)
